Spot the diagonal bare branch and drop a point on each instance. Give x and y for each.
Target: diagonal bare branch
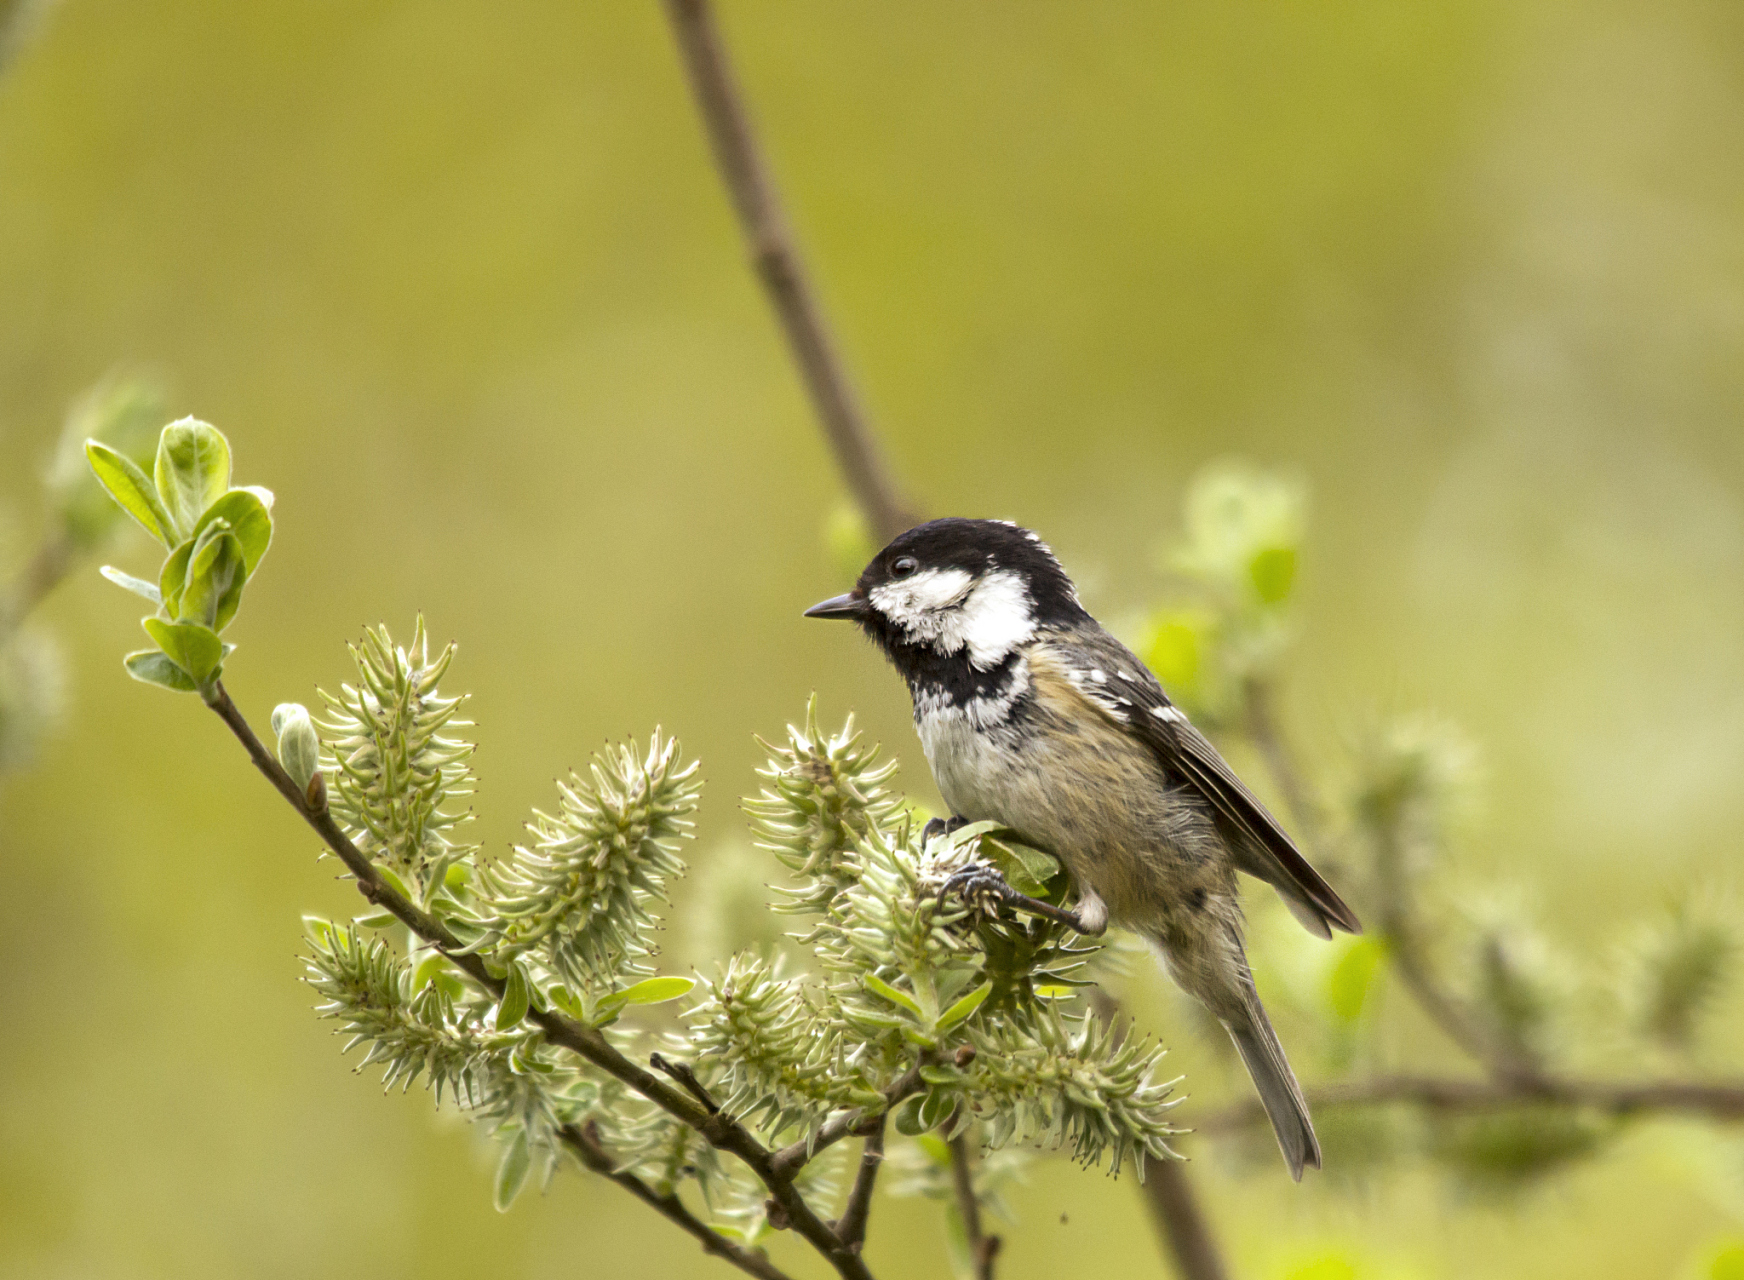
(776, 258)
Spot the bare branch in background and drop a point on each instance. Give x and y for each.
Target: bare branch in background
(1720, 1100)
(1181, 1222)
(44, 571)
(983, 1248)
(769, 236)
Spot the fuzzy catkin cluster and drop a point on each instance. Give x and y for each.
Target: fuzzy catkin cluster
(578, 896)
(390, 767)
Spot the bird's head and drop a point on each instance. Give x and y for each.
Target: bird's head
(979, 588)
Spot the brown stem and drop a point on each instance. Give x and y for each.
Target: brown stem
(1182, 1227)
(791, 1159)
(1262, 730)
(776, 258)
(982, 1248)
(1721, 1100)
(1180, 1221)
(852, 1226)
(44, 571)
(585, 1144)
(718, 1129)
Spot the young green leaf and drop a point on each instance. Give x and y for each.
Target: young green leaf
(657, 990)
(880, 987)
(249, 517)
(964, 1007)
(139, 586)
(193, 648)
(132, 490)
(514, 1003)
(215, 577)
(193, 470)
(153, 666)
(512, 1172)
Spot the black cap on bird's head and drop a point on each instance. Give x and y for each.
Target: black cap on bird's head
(976, 586)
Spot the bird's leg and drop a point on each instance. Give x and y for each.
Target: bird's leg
(978, 880)
(936, 827)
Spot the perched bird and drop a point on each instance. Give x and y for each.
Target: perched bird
(1033, 716)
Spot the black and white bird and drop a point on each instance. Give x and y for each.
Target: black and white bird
(1033, 716)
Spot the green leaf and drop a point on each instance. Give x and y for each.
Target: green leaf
(514, 1002)
(250, 519)
(966, 1006)
(512, 1172)
(395, 883)
(908, 1121)
(318, 928)
(215, 577)
(657, 990)
(153, 666)
(132, 490)
(1273, 572)
(139, 586)
(193, 471)
(1353, 977)
(193, 648)
(431, 965)
(172, 579)
(378, 920)
(879, 987)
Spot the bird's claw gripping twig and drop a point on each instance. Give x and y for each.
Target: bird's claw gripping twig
(978, 884)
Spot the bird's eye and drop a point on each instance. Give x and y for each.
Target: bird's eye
(903, 566)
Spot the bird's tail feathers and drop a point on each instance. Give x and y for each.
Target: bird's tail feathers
(1282, 1096)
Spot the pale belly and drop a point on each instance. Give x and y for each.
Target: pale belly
(1091, 796)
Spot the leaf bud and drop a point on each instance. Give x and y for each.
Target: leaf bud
(298, 746)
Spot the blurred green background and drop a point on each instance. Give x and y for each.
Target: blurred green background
(461, 286)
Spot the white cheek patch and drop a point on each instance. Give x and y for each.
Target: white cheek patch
(916, 602)
(996, 619)
(949, 610)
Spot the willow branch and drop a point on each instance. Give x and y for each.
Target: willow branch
(982, 1248)
(1720, 1100)
(717, 1128)
(852, 1225)
(843, 1124)
(776, 259)
(584, 1143)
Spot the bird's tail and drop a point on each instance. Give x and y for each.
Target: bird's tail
(1282, 1096)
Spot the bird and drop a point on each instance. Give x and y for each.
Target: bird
(1033, 716)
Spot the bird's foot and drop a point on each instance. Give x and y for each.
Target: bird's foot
(936, 827)
(980, 885)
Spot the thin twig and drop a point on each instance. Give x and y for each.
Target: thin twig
(1262, 730)
(982, 1248)
(852, 1225)
(1182, 1227)
(681, 1072)
(844, 1124)
(1721, 1100)
(774, 254)
(718, 1129)
(44, 571)
(585, 1144)
(1181, 1222)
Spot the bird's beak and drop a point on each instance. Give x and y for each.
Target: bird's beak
(847, 606)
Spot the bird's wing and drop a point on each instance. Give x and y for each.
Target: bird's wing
(1114, 681)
